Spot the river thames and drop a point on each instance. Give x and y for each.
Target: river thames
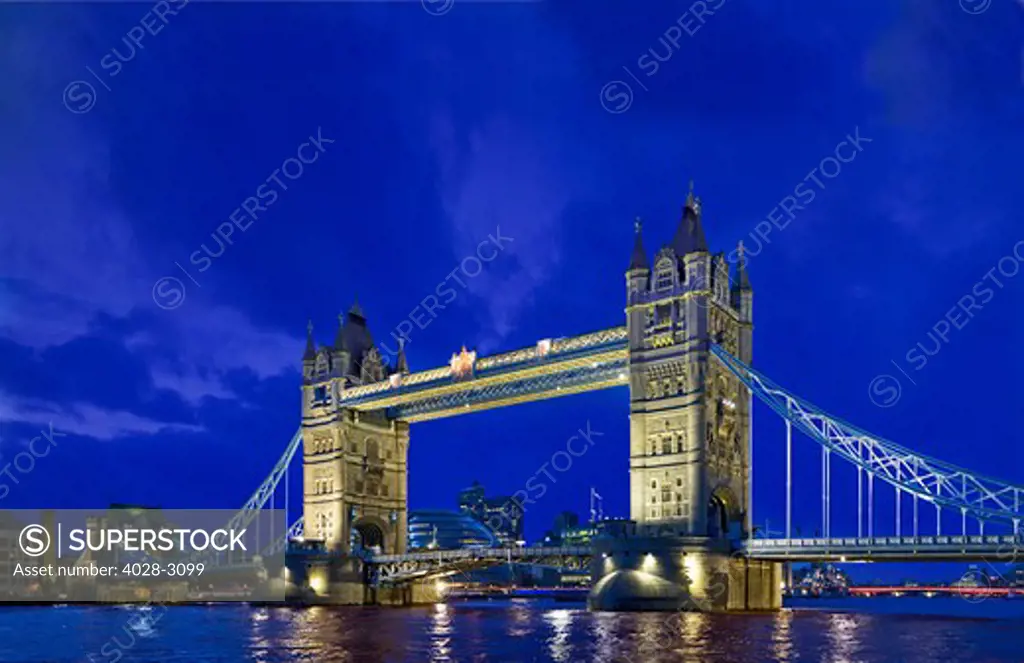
(518, 631)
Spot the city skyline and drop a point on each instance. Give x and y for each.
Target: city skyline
(189, 405)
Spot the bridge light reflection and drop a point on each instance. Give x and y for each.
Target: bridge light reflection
(561, 625)
(782, 640)
(843, 636)
(440, 632)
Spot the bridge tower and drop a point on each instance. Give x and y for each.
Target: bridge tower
(689, 417)
(354, 463)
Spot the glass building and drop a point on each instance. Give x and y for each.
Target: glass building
(503, 515)
(448, 530)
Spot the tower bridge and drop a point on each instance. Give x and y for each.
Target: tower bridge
(686, 356)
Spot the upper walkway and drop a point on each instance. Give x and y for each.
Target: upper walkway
(552, 368)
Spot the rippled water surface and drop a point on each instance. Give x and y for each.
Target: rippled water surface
(517, 631)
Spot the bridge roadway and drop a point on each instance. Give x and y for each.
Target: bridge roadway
(888, 549)
(415, 565)
(437, 563)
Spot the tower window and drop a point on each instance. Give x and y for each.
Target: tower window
(663, 278)
(320, 394)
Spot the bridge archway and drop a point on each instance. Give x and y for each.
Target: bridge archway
(723, 509)
(368, 534)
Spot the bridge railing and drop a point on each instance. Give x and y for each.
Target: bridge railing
(481, 553)
(882, 541)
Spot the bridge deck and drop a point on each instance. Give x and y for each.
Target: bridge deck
(514, 554)
(890, 548)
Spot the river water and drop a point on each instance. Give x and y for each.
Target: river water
(518, 631)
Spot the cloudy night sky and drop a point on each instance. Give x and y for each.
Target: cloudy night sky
(447, 128)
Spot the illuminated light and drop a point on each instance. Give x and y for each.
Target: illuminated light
(622, 376)
(728, 403)
(843, 558)
(543, 347)
(782, 585)
(441, 587)
(649, 564)
(462, 362)
(318, 583)
(395, 380)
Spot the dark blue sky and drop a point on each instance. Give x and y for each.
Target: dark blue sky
(446, 128)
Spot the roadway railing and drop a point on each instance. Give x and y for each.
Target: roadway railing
(482, 553)
(884, 546)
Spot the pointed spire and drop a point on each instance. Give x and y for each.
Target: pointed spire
(310, 343)
(639, 258)
(742, 278)
(339, 338)
(356, 309)
(402, 365)
(689, 235)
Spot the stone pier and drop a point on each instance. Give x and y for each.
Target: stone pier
(341, 580)
(680, 573)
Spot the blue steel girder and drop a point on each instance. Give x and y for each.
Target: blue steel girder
(927, 478)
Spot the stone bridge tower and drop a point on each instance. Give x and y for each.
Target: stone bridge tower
(354, 463)
(689, 417)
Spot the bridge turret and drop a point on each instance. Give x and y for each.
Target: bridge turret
(309, 356)
(340, 354)
(743, 302)
(637, 278)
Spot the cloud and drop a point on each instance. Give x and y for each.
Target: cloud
(68, 254)
(85, 419)
(503, 178)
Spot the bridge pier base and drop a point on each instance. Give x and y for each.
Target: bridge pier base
(329, 579)
(418, 592)
(326, 579)
(680, 573)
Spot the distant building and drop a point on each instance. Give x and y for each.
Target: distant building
(565, 520)
(579, 535)
(502, 515)
(471, 500)
(505, 517)
(448, 530)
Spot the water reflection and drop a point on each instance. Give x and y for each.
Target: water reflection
(561, 625)
(440, 633)
(842, 637)
(782, 636)
(479, 633)
(521, 624)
